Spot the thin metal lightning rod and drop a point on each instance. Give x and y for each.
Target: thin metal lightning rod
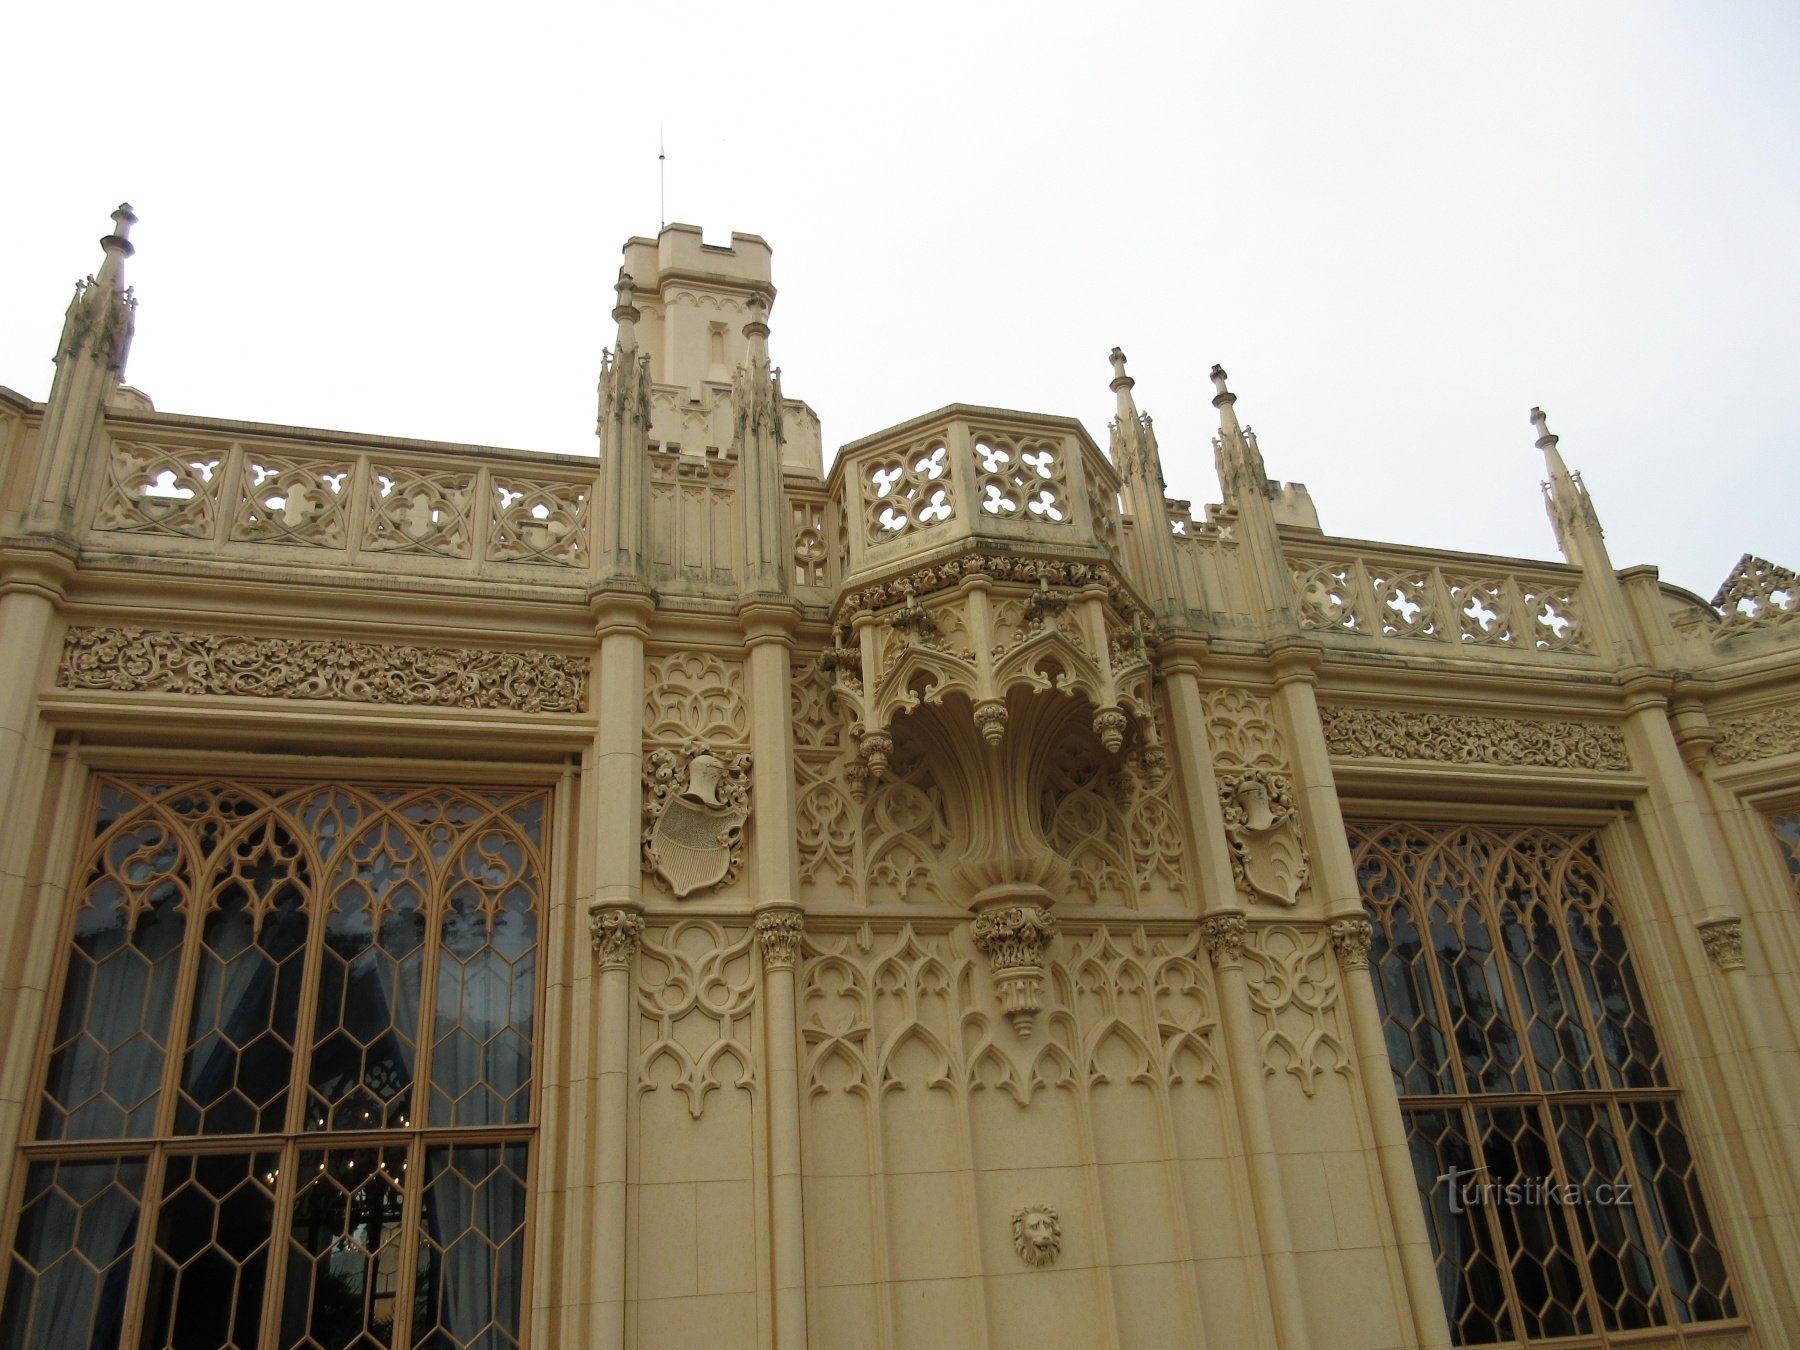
(662, 183)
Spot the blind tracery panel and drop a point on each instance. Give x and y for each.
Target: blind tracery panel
(1531, 1080)
(253, 970)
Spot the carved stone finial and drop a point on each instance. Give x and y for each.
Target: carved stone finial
(1724, 941)
(120, 238)
(1218, 379)
(1013, 938)
(778, 933)
(616, 933)
(1224, 935)
(1120, 378)
(1037, 1234)
(990, 717)
(695, 806)
(1109, 726)
(877, 749)
(1542, 424)
(1352, 938)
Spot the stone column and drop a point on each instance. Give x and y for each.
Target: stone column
(617, 932)
(1723, 938)
(615, 917)
(1334, 878)
(769, 625)
(779, 929)
(1351, 937)
(1224, 934)
(1223, 928)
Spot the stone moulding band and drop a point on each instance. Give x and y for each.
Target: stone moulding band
(139, 660)
(1457, 738)
(1026, 568)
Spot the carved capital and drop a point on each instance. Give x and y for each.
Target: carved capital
(1724, 942)
(1014, 935)
(1352, 938)
(778, 933)
(1224, 935)
(616, 933)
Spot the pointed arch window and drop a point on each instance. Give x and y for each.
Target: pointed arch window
(288, 1096)
(1558, 1187)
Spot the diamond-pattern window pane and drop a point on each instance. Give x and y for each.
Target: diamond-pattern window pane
(366, 1034)
(344, 1250)
(246, 1005)
(248, 891)
(1618, 1257)
(1540, 1249)
(1670, 1192)
(72, 1254)
(1530, 972)
(1480, 1022)
(211, 1258)
(471, 1248)
(486, 982)
(1417, 1050)
(112, 1030)
(1467, 1257)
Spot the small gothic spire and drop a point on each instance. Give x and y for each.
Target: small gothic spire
(757, 330)
(625, 313)
(1122, 385)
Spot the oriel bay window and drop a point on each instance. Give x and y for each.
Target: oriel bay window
(1559, 1190)
(288, 1095)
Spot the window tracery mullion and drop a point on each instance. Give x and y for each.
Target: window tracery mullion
(1439, 976)
(1487, 901)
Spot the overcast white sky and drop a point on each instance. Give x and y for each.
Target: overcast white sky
(1397, 226)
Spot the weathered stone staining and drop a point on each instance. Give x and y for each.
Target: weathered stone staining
(1020, 908)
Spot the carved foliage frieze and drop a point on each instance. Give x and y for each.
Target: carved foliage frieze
(1758, 735)
(1459, 738)
(139, 660)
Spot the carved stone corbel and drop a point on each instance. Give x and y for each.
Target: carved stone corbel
(616, 933)
(1262, 825)
(1351, 938)
(1724, 942)
(1013, 938)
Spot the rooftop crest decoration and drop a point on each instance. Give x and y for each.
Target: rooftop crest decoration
(1757, 594)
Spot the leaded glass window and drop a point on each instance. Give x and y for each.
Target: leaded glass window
(1786, 825)
(289, 1093)
(1559, 1191)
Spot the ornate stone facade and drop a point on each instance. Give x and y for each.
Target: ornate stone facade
(960, 899)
